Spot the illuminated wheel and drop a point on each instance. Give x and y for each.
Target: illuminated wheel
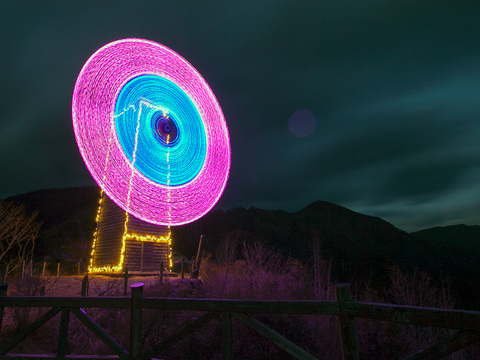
(151, 132)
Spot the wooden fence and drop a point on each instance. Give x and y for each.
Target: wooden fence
(467, 323)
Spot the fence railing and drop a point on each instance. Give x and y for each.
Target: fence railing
(467, 323)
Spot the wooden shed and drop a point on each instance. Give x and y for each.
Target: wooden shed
(124, 241)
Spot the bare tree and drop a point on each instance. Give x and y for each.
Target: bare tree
(225, 255)
(225, 252)
(415, 288)
(322, 269)
(18, 232)
(263, 268)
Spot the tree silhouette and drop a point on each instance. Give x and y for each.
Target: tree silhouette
(18, 232)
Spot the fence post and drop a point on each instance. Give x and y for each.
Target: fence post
(227, 336)
(3, 292)
(182, 269)
(6, 273)
(58, 269)
(125, 282)
(85, 285)
(136, 321)
(198, 260)
(161, 271)
(63, 333)
(141, 257)
(346, 323)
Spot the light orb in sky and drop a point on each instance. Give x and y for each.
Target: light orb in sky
(302, 123)
(151, 132)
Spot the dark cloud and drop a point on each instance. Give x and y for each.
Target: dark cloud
(394, 88)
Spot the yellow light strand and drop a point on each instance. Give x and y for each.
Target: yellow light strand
(132, 167)
(170, 260)
(100, 202)
(167, 239)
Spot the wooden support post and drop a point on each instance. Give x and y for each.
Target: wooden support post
(58, 269)
(63, 334)
(136, 321)
(198, 260)
(3, 292)
(346, 322)
(227, 336)
(141, 257)
(125, 282)
(85, 285)
(43, 271)
(6, 273)
(161, 271)
(182, 268)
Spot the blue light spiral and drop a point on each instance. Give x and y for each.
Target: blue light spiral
(160, 130)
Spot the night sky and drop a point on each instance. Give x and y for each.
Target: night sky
(372, 105)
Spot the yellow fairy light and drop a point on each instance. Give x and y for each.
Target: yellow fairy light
(167, 239)
(95, 234)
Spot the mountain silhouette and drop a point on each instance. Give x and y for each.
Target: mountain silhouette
(358, 245)
(454, 251)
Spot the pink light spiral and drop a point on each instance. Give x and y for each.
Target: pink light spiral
(95, 95)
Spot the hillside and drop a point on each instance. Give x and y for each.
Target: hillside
(358, 244)
(456, 250)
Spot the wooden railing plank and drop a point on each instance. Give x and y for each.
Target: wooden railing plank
(447, 346)
(104, 302)
(11, 356)
(30, 329)
(244, 306)
(111, 302)
(274, 337)
(449, 319)
(92, 325)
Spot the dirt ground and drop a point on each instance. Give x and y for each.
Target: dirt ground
(98, 285)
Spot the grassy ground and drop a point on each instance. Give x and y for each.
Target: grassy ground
(99, 285)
